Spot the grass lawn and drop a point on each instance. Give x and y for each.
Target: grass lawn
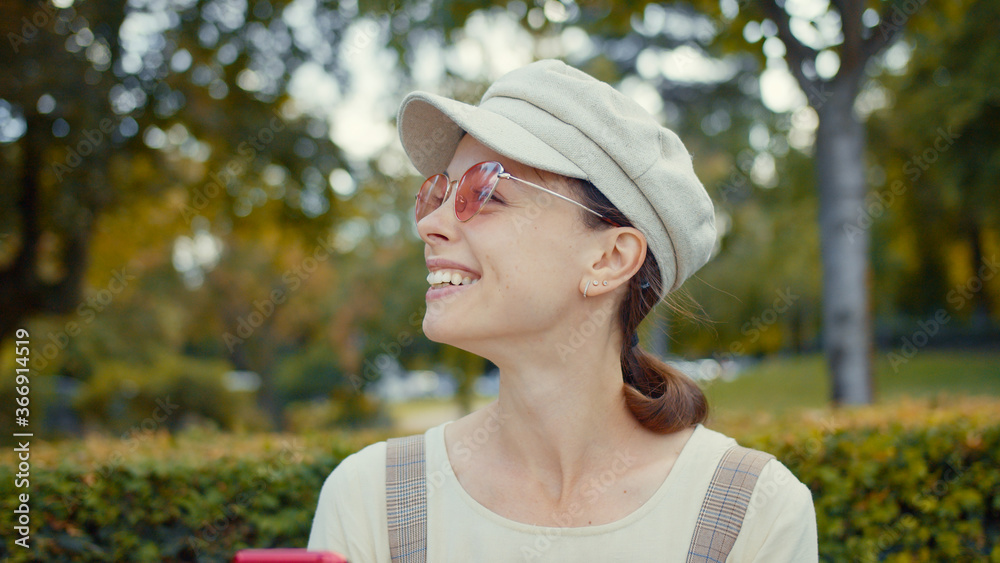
(781, 384)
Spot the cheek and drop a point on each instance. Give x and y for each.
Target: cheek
(543, 265)
(533, 255)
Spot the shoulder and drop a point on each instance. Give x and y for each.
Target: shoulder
(709, 440)
(775, 482)
(350, 513)
(705, 449)
(361, 466)
(780, 520)
(359, 476)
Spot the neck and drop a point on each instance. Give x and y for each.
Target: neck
(564, 417)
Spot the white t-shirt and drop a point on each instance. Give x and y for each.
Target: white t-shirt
(780, 525)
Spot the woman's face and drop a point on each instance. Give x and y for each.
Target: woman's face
(525, 253)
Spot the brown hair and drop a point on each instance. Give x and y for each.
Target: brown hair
(662, 398)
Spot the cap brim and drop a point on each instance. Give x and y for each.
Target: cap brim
(430, 127)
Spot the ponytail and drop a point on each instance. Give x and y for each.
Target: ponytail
(662, 398)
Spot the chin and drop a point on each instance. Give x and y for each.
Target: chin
(437, 330)
(440, 330)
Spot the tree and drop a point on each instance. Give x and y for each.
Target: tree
(938, 145)
(827, 49)
(106, 103)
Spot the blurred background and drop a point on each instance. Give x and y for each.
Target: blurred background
(207, 233)
(206, 200)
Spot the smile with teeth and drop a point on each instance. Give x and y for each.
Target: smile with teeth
(444, 278)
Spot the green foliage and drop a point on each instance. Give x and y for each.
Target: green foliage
(312, 372)
(937, 146)
(130, 201)
(173, 512)
(170, 389)
(905, 482)
(129, 397)
(892, 492)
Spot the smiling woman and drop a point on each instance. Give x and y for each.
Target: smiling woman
(571, 215)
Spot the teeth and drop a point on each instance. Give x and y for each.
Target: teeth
(440, 277)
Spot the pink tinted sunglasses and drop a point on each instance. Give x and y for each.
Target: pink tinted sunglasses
(473, 190)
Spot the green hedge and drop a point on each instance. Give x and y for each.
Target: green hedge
(900, 495)
(159, 511)
(886, 489)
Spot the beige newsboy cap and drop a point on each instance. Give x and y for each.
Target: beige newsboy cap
(554, 117)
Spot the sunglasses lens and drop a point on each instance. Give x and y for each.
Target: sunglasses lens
(475, 188)
(431, 195)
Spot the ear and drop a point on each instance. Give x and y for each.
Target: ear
(622, 250)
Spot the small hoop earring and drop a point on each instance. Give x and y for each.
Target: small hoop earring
(585, 288)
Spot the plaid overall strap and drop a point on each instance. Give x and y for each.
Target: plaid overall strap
(406, 499)
(726, 504)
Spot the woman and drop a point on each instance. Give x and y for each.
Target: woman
(555, 215)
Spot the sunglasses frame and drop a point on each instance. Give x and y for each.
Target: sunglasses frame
(502, 175)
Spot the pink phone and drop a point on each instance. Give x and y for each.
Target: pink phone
(286, 556)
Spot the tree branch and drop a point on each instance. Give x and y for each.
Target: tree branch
(852, 54)
(892, 21)
(795, 52)
(61, 297)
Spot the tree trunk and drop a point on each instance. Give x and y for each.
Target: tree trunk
(981, 299)
(847, 331)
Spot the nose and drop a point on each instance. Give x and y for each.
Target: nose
(441, 224)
